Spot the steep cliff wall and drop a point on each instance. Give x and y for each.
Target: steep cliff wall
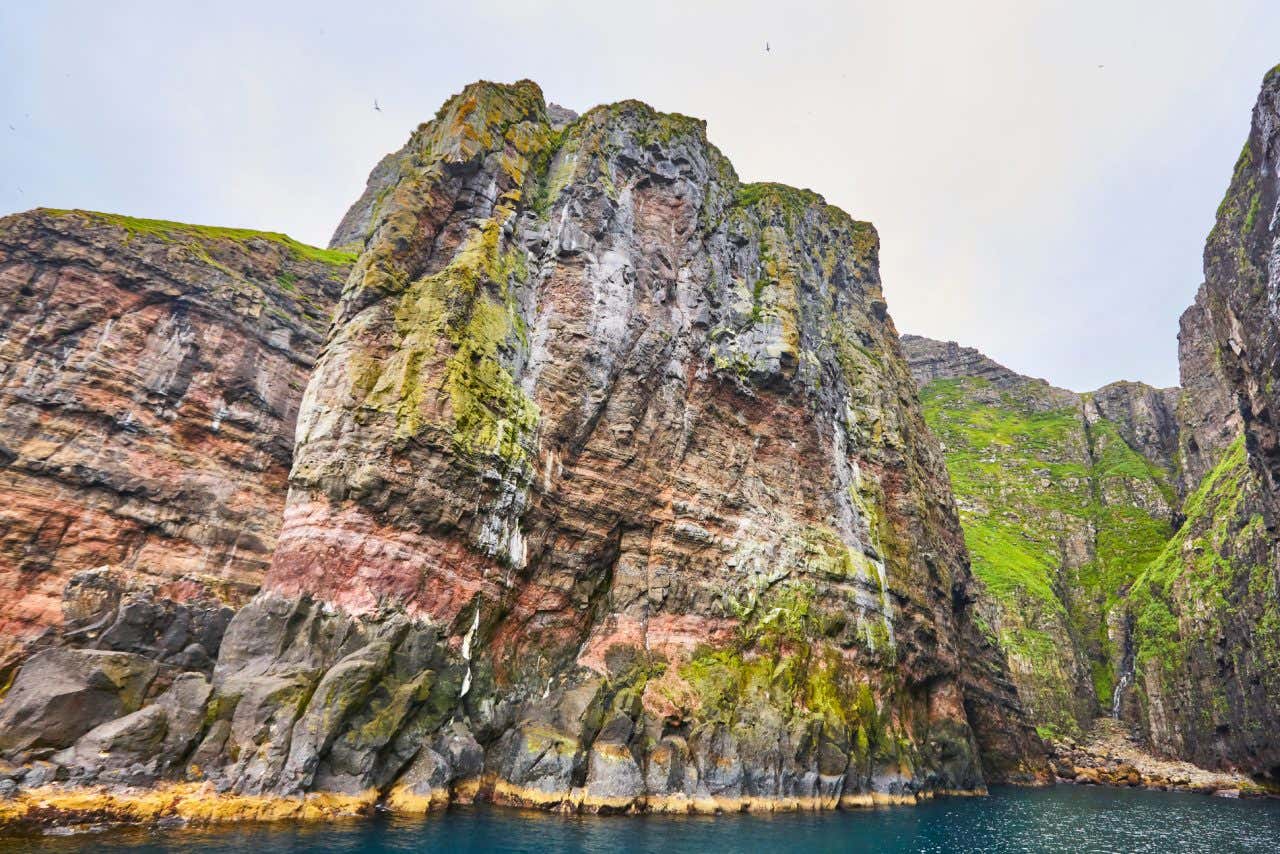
(611, 491)
(150, 375)
(1208, 610)
(1067, 501)
(635, 441)
(1064, 499)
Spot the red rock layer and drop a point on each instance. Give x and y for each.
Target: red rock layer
(590, 395)
(150, 375)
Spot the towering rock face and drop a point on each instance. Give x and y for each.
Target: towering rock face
(1242, 285)
(1067, 502)
(611, 491)
(1208, 418)
(1064, 499)
(1208, 609)
(620, 456)
(150, 375)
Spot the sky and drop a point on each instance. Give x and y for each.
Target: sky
(1042, 174)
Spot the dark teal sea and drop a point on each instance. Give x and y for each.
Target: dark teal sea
(1063, 818)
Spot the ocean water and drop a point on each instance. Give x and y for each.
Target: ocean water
(1063, 818)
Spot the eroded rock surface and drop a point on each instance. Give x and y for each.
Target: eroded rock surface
(1208, 611)
(150, 376)
(631, 447)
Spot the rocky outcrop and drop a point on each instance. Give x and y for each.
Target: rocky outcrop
(631, 448)
(1110, 754)
(1208, 418)
(1242, 286)
(1064, 498)
(113, 610)
(150, 375)
(60, 694)
(611, 492)
(1146, 419)
(943, 360)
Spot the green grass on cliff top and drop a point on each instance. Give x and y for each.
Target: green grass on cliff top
(167, 231)
(1008, 470)
(1018, 476)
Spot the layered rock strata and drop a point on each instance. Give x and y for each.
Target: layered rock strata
(150, 376)
(611, 492)
(631, 445)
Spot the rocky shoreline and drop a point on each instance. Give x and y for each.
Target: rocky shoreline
(71, 808)
(67, 808)
(1111, 755)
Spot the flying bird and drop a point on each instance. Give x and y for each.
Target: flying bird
(375, 105)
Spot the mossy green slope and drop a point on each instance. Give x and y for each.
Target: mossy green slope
(1214, 581)
(1060, 516)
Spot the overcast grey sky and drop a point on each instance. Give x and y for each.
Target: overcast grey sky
(1042, 174)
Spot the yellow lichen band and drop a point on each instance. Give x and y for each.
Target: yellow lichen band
(199, 803)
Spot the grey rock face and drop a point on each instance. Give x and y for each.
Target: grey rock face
(1145, 417)
(1207, 412)
(104, 609)
(933, 360)
(1242, 287)
(358, 221)
(60, 694)
(1208, 616)
(310, 699)
(559, 117)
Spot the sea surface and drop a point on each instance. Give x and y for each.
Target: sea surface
(1063, 818)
